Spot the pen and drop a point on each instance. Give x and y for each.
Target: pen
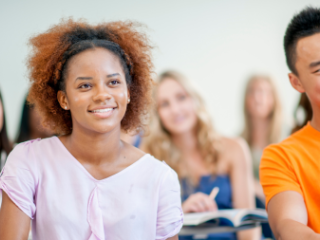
(214, 193)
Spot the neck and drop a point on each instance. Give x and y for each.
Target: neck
(96, 148)
(259, 132)
(185, 142)
(315, 121)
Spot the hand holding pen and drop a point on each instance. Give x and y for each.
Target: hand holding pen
(200, 202)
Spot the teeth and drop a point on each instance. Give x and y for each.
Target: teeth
(102, 110)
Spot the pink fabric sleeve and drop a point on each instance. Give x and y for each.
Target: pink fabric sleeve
(18, 178)
(170, 215)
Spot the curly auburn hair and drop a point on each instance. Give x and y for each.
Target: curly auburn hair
(52, 50)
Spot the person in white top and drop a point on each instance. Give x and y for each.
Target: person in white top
(88, 83)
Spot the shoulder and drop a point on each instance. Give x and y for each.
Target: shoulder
(157, 174)
(22, 150)
(34, 143)
(25, 153)
(283, 158)
(22, 168)
(158, 165)
(150, 163)
(295, 142)
(280, 166)
(236, 150)
(284, 151)
(234, 144)
(160, 168)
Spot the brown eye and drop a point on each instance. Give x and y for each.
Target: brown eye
(114, 82)
(85, 86)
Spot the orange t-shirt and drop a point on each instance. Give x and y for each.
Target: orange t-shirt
(294, 165)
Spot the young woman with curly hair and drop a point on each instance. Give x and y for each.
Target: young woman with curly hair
(88, 83)
(182, 134)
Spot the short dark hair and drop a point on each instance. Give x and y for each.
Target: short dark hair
(303, 24)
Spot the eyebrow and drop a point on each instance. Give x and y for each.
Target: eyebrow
(314, 64)
(90, 78)
(83, 78)
(113, 74)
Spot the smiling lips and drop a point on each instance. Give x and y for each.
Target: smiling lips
(103, 112)
(179, 119)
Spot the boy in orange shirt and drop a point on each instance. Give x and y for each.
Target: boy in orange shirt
(290, 170)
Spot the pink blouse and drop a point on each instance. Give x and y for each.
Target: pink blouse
(65, 202)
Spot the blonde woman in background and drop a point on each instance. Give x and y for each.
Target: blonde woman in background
(263, 120)
(181, 134)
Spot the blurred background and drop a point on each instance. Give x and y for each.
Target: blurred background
(216, 44)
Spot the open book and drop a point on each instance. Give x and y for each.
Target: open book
(231, 218)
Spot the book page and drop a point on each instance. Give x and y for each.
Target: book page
(235, 216)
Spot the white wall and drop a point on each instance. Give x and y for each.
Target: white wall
(216, 43)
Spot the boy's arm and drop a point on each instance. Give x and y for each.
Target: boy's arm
(288, 217)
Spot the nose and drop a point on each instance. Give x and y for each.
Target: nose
(257, 96)
(101, 93)
(174, 107)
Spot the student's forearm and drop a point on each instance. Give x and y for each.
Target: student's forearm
(293, 230)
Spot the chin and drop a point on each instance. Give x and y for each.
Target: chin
(102, 129)
(180, 129)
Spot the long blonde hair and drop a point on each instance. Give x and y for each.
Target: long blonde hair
(159, 142)
(275, 115)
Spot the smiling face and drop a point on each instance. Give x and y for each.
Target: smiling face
(175, 106)
(96, 92)
(260, 100)
(308, 68)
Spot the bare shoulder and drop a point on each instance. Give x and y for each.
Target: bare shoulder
(236, 150)
(232, 146)
(143, 147)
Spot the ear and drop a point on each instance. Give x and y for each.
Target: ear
(62, 99)
(296, 83)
